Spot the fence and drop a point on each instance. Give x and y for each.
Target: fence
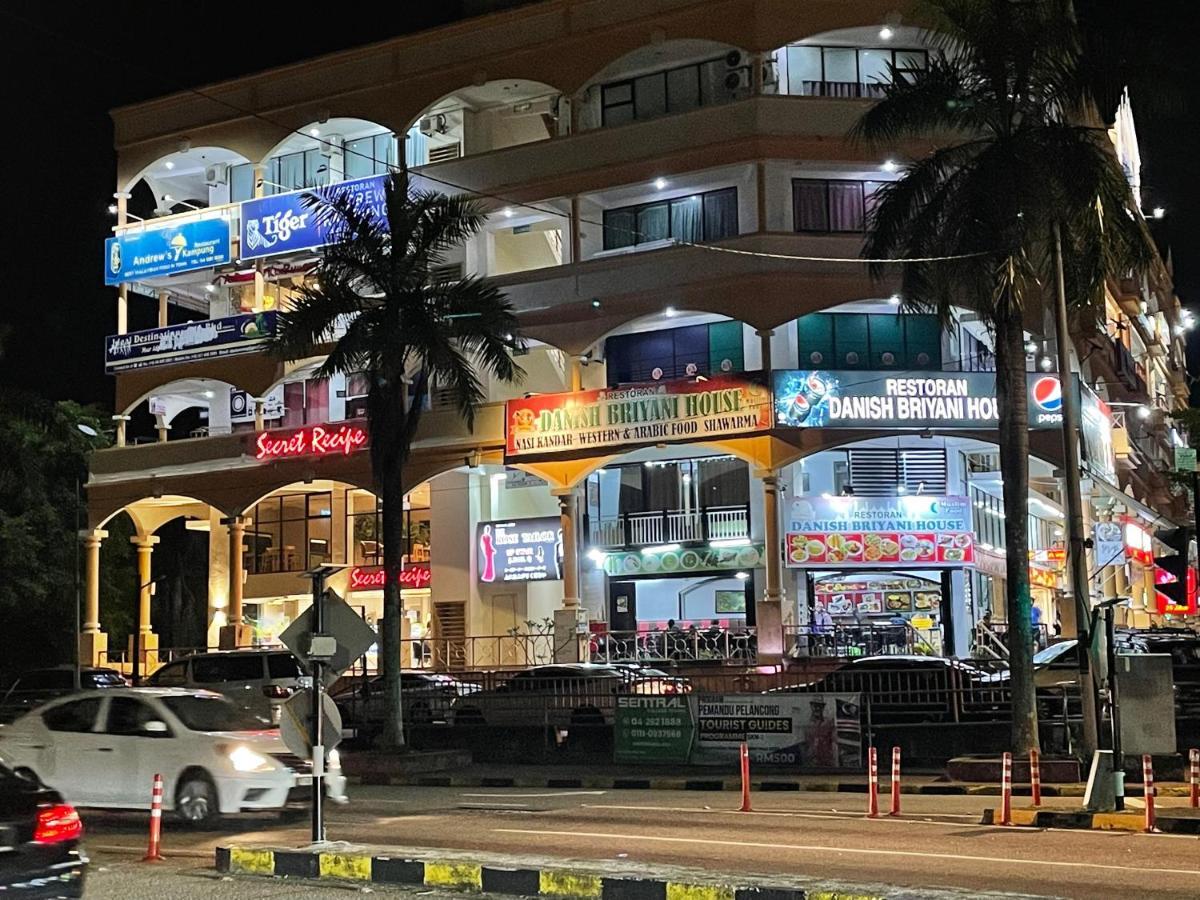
(848, 641)
(671, 526)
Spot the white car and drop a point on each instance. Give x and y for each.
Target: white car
(103, 749)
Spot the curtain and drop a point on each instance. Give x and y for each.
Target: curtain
(720, 214)
(620, 228)
(652, 223)
(723, 482)
(845, 206)
(809, 211)
(416, 148)
(686, 222)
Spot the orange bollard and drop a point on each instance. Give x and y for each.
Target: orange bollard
(872, 783)
(895, 782)
(152, 854)
(1006, 791)
(1148, 789)
(745, 755)
(1194, 776)
(1035, 777)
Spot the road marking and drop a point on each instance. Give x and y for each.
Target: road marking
(825, 848)
(493, 805)
(556, 794)
(820, 813)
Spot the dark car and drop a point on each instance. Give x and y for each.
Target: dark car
(911, 688)
(425, 698)
(36, 687)
(40, 853)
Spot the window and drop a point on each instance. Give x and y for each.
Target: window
(371, 155)
(50, 679)
(296, 171)
(217, 669)
(823, 205)
(674, 90)
(128, 716)
(171, 675)
(821, 71)
(869, 341)
(283, 665)
(198, 712)
(684, 352)
(710, 216)
(241, 182)
(291, 533)
(76, 716)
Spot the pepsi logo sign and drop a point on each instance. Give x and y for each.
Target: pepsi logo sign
(1046, 394)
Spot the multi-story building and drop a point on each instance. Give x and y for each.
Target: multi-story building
(676, 213)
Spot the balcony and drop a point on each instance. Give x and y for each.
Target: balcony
(1127, 369)
(675, 526)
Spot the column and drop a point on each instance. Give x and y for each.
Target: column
(260, 175)
(93, 643)
(576, 373)
(259, 419)
(576, 243)
(162, 309)
(122, 199)
(234, 633)
(120, 421)
(570, 641)
(764, 336)
(147, 639)
(768, 612)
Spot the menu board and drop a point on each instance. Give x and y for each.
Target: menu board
(878, 596)
(928, 548)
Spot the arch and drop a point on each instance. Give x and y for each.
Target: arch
(181, 394)
(179, 179)
(151, 513)
(329, 150)
(846, 61)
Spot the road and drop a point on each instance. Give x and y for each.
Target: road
(937, 844)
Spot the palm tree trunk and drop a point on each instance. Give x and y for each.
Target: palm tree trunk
(392, 492)
(1013, 395)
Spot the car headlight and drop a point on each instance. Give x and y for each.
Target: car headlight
(243, 759)
(334, 759)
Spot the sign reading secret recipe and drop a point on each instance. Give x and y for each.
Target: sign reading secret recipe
(911, 531)
(634, 415)
(316, 440)
(414, 576)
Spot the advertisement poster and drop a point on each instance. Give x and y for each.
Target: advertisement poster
(520, 550)
(1096, 436)
(683, 561)
(818, 398)
(1108, 544)
(808, 731)
(875, 594)
(188, 342)
(911, 531)
(283, 223)
(653, 729)
(633, 416)
(153, 252)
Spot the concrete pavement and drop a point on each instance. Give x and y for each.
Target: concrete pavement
(938, 844)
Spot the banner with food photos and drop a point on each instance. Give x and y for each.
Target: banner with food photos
(909, 531)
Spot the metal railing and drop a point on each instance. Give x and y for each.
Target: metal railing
(671, 526)
(650, 647)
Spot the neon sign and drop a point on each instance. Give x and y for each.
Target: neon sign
(413, 577)
(316, 440)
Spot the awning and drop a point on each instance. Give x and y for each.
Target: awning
(1155, 518)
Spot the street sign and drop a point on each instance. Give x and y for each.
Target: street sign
(354, 636)
(293, 723)
(1185, 459)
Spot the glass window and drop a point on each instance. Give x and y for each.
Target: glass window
(845, 206)
(687, 223)
(873, 71)
(683, 89)
(290, 532)
(804, 73)
(653, 223)
(217, 669)
(316, 168)
(841, 71)
(650, 95)
(128, 716)
(198, 712)
(620, 228)
(241, 182)
(810, 211)
(709, 216)
(720, 214)
(76, 716)
(838, 206)
(283, 665)
(359, 157)
(616, 103)
(172, 675)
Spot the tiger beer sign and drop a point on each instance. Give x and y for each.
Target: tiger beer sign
(634, 415)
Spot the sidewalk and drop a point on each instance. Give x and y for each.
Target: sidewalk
(1169, 819)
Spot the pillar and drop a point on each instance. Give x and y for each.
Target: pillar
(576, 243)
(234, 633)
(259, 419)
(122, 199)
(768, 612)
(119, 422)
(260, 174)
(93, 643)
(760, 184)
(162, 309)
(576, 373)
(147, 639)
(764, 336)
(570, 622)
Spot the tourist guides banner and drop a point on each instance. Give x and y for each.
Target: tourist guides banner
(809, 731)
(634, 415)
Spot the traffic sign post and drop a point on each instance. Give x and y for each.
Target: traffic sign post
(294, 728)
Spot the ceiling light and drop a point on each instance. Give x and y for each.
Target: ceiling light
(597, 556)
(112, 209)
(894, 299)
(660, 183)
(730, 542)
(507, 212)
(315, 132)
(669, 312)
(1143, 412)
(1047, 364)
(889, 165)
(595, 304)
(660, 548)
(886, 34)
(741, 576)
(209, 288)
(1031, 347)
(170, 165)
(1158, 212)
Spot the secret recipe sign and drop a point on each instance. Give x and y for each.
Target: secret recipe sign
(313, 441)
(634, 415)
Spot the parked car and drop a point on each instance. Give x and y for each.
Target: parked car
(40, 851)
(259, 681)
(103, 749)
(426, 698)
(912, 688)
(36, 687)
(562, 695)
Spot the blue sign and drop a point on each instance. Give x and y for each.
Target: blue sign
(188, 342)
(283, 223)
(195, 244)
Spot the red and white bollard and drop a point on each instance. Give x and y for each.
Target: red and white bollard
(745, 757)
(152, 854)
(1035, 777)
(872, 783)
(1148, 789)
(895, 782)
(1006, 791)
(1194, 776)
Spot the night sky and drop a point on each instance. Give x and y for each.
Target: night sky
(65, 65)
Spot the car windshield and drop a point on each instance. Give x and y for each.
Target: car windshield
(1052, 653)
(200, 713)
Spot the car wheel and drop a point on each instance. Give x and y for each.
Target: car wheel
(196, 800)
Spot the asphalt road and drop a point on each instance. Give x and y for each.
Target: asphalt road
(938, 843)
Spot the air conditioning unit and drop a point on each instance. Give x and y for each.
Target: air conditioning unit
(737, 80)
(217, 173)
(547, 106)
(734, 59)
(435, 124)
(330, 145)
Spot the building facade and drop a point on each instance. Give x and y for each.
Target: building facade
(724, 422)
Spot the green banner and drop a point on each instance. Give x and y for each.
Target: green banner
(653, 729)
(1185, 459)
(683, 560)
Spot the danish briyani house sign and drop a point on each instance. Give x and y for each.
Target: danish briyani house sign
(634, 415)
(849, 532)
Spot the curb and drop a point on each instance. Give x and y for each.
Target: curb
(1103, 821)
(571, 883)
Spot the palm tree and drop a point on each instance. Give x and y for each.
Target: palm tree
(1022, 158)
(404, 329)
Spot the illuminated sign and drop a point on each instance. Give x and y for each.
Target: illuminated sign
(283, 223)
(818, 398)
(520, 550)
(316, 440)
(908, 531)
(155, 252)
(1139, 542)
(634, 416)
(188, 342)
(413, 577)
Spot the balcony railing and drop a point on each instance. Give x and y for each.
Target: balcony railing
(1126, 368)
(671, 526)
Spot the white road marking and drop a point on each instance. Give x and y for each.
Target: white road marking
(493, 805)
(555, 794)
(852, 851)
(822, 813)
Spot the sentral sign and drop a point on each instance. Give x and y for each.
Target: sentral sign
(634, 415)
(822, 398)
